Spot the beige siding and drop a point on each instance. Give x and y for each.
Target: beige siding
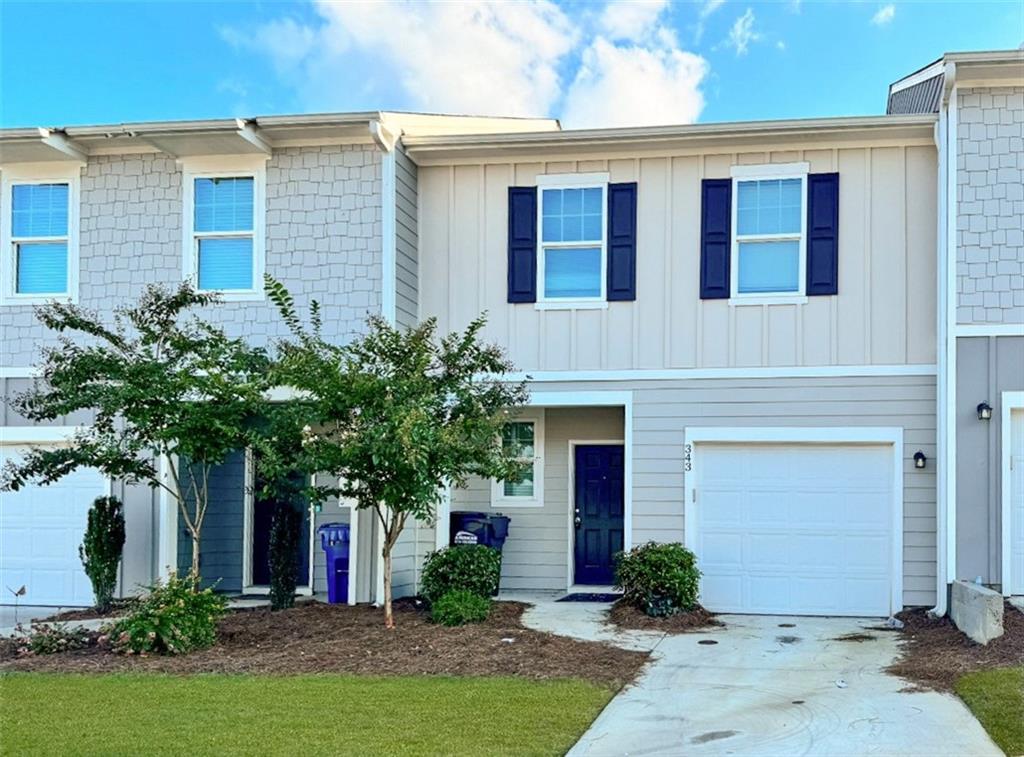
(536, 555)
(883, 314)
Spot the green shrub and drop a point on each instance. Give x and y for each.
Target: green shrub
(173, 618)
(660, 579)
(101, 548)
(466, 567)
(285, 525)
(459, 607)
(51, 638)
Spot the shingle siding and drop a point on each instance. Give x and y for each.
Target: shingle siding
(990, 206)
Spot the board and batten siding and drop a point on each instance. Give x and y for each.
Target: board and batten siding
(884, 312)
(536, 554)
(406, 241)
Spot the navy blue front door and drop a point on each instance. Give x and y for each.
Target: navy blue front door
(599, 507)
(262, 518)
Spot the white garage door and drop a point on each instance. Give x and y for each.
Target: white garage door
(41, 528)
(795, 529)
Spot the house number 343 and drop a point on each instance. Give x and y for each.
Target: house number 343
(688, 458)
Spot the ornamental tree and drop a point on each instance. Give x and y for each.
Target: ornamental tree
(397, 415)
(161, 385)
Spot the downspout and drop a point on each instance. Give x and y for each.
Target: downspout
(945, 521)
(385, 141)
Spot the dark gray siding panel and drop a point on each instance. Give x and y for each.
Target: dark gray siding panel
(922, 97)
(986, 367)
(220, 545)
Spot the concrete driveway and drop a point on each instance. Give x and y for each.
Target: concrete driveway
(768, 686)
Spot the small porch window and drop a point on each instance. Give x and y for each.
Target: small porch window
(526, 436)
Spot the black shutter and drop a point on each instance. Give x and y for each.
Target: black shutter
(622, 241)
(822, 233)
(715, 238)
(522, 244)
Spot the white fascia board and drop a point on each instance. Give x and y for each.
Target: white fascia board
(37, 434)
(679, 374)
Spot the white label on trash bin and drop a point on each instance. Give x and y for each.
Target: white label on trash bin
(465, 537)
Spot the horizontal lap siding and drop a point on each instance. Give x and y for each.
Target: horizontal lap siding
(406, 241)
(663, 409)
(536, 555)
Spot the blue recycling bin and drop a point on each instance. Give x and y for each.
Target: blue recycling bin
(335, 540)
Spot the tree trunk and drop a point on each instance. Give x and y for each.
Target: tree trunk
(389, 618)
(195, 557)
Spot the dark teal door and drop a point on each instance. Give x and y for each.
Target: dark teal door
(599, 503)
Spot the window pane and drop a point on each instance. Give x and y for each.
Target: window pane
(224, 204)
(772, 206)
(225, 263)
(572, 215)
(572, 272)
(42, 268)
(519, 435)
(769, 267)
(521, 488)
(39, 210)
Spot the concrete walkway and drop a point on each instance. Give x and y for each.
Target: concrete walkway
(766, 686)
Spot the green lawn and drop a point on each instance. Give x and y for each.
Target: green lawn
(215, 714)
(996, 697)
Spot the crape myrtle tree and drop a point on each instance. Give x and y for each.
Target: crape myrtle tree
(160, 384)
(397, 415)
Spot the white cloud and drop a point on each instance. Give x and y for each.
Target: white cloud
(884, 15)
(629, 86)
(631, 20)
(743, 33)
(487, 57)
(709, 7)
(780, 45)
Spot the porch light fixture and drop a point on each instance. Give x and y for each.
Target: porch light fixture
(919, 459)
(984, 411)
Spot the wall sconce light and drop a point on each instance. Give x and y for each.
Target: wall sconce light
(984, 411)
(919, 459)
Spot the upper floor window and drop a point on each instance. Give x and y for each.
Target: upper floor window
(525, 438)
(224, 241)
(769, 238)
(572, 239)
(40, 230)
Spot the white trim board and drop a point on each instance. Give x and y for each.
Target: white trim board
(672, 374)
(389, 242)
(570, 575)
(989, 329)
(37, 434)
(866, 435)
(1010, 401)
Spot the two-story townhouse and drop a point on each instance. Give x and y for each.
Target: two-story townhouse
(92, 214)
(979, 100)
(729, 332)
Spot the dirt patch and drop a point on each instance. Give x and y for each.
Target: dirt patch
(631, 618)
(320, 638)
(936, 653)
(855, 637)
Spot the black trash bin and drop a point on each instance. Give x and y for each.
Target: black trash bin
(335, 540)
(468, 527)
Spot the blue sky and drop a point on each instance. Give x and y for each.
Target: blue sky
(589, 63)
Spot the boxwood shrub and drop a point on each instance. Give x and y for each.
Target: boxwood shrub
(660, 579)
(459, 607)
(466, 567)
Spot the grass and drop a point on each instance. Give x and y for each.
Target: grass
(996, 697)
(330, 714)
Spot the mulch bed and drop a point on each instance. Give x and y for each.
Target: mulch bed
(631, 618)
(320, 638)
(117, 608)
(936, 653)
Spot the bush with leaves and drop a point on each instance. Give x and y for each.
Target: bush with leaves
(101, 549)
(660, 579)
(51, 638)
(285, 525)
(459, 607)
(467, 567)
(175, 617)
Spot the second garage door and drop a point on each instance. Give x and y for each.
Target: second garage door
(802, 529)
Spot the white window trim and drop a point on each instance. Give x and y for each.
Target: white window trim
(572, 181)
(1010, 402)
(38, 173)
(769, 172)
(498, 497)
(226, 167)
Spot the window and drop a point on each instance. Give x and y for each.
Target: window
(572, 239)
(769, 230)
(526, 436)
(40, 236)
(224, 232)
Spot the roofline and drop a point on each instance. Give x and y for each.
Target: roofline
(964, 58)
(652, 135)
